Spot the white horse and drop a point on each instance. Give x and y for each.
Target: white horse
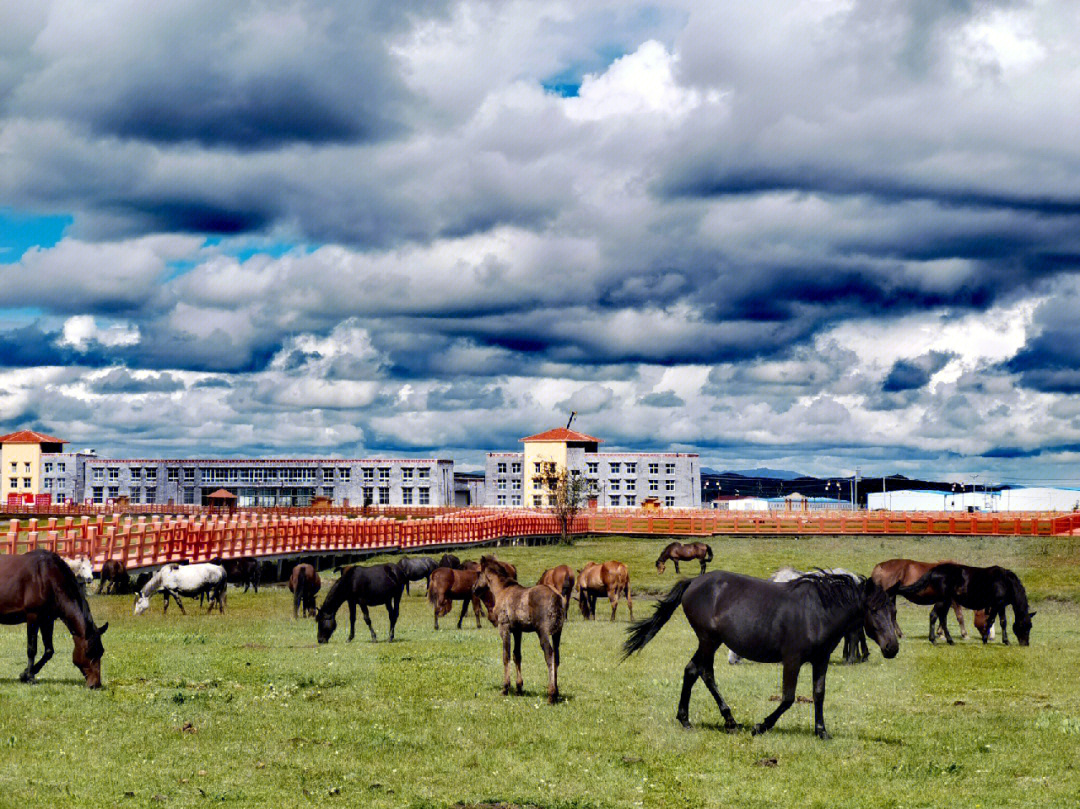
(82, 569)
(790, 574)
(191, 580)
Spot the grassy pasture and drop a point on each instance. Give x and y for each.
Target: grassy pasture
(246, 710)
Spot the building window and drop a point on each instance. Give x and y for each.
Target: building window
(369, 495)
(631, 469)
(26, 465)
(189, 497)
(136, 473)
(538, 500)
(61, 468)
(99, 474)
(61, 497)
(97, 494)
(669, 501)
(172, 474)
(630, 499)
(114, 492)
(423, 473)
(46, 483)
(669, 485)
(14, 482)
(515, 468)
(425, 497)
(615, 467)
(384, 474)
(15, 466)
(135, 496)
(536, 467)
(189, 475)
(631, 485)
(500, 500)
(654, 469)
(26, 483)
(328, 491)
(592, 467)
(500, 468)
(669, 469)
(407, 474)
(114, 473)
(614, 499)
(368, 473)
(48, 469)
(654, 485)
(613, 485)
(515, 484)
(343, 472)
(552, 500)
(406, 497)
(501, 484)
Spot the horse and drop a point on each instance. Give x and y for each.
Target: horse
(246, 571)
(414, 569)
(793, 623)
(561, 580)
(518, 609)
(855, 650)
(895, 573)
(448, 585)
(37, 588)
(450, 561)
(366, 587)
(191, 580)
(978, 588)
(114, 578)
(83, 570)
(610, 579)
(141, 580)
(304, 583)
(678, 552)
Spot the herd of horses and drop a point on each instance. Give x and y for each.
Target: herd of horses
(792, 619)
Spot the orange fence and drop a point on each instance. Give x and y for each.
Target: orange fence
(140, 542)
(707, 523)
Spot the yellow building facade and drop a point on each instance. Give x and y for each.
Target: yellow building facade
(20, 462)
(546, 454)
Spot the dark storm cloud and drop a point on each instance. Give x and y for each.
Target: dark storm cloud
(1050, 360)
(915, 373)
(665, 398)
(120, 380)
(34, 345)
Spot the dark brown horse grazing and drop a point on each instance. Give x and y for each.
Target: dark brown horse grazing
(678, 552)
(364, 587)
(37, 588)
(896, 573)
(610, 579)
(447, 585)
(304, 584)
(561, 580)
(246, 571)
(518, 609)
(978, 588)
(114, 578)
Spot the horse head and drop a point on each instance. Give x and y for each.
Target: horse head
(1022, 627)
(326, 623)
(661, 563)
(877, 619)
(87, 654)
(142, 603)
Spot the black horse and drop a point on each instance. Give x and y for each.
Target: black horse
(366, 587)
(245, 570)
(978, 588)
(38, 588)
(795, 622)
(414, 569)
(450, 561)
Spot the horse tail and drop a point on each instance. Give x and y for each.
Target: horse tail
(708, 553)
(916, 587)
(299, 592)
(643, 631)
(431, 596)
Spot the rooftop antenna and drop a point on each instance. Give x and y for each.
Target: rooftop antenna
(571, 419)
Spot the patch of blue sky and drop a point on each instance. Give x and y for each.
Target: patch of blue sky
(240, 249)
(567, 83)
(22, 230)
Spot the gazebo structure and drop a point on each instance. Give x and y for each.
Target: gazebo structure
(222, 500)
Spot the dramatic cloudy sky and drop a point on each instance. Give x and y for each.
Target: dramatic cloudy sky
(811, 234)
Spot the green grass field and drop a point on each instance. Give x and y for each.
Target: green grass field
(246, 710)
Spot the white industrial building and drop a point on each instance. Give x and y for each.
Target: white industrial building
(1019, 499)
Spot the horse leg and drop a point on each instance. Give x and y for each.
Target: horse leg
(706, 658)
(791, 679)
(392, 608)
(297, 598)
(352, 620)
(367, 620)
(942, 612)
(960, 619)
(556, 639)
(1004, 628)
(690, 675)
(702, 560)
(31, 651)
(613, 597)
(892, 610)
(101, 585)
(477, 609)
(629, 601)
(505, 632)
(549, 658)
(820, 669)
(517, 661)
(465, 611)
(407, 587)
(676, 561)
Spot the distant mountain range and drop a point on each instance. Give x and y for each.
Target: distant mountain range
(759, 472)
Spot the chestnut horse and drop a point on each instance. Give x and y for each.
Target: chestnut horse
(304, 583)
(447, 585)
(37, 588)
(114, 578)
(610, 579)
(678, 552)
(896, 573)
(561, 580)
(518, 609)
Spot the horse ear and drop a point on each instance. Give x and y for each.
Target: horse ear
(103, 628)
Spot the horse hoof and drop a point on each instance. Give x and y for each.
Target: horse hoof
(27, 678)
(758, 729)
(823, 734)
(685, 722)
(506, 691)
(734, 727)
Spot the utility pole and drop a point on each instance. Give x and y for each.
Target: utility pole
(855, 490)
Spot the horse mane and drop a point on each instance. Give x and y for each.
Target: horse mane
(834, 590)
(333, 599)
(1018, 592)
(70, 586)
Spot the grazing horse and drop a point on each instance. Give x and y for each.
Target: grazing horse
(175, 580)
(83, 570)
(518, 609)
(364, 587)
(978, 588)
(677, 552)
(855, 650)
(246, 571)
(895, 573)
(38, 588)
(414, 569)
(793, 623)
(450, 561)
(114, 578)
(448, 585)
(304, 583)
(610, 579)
(561, 580)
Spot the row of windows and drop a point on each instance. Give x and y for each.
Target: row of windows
(47, 467)
(15, 467)
(260, 474)
(616, 468)
(27, 483)
(515, 484)
(515, 500)
(515, 468)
